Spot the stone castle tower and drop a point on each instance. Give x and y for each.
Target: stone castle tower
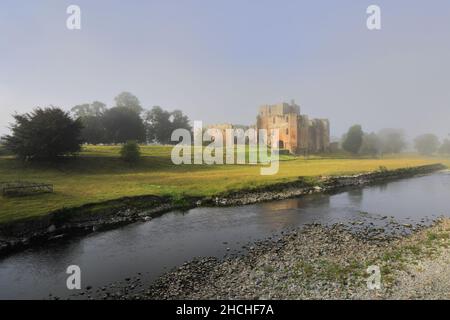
(298, 134)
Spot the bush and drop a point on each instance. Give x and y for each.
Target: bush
(44, 134)
(130, 152)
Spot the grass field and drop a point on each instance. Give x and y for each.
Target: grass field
(98, 174)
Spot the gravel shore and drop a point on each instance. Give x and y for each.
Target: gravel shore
(317, 262)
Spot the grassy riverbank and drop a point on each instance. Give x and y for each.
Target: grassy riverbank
(99, 175)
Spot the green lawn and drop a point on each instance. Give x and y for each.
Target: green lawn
(98, 174)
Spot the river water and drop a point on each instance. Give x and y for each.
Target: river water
(151, 248)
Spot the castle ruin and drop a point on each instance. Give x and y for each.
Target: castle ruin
(297, 133)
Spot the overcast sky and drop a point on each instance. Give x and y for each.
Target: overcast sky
(218, 60)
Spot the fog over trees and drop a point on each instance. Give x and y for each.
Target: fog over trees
(390, 141)
(52, 132)
(160, 124)
(122, 124)
(49, 133)
(445, 147)
(128, 120)
(129, 101)
(427, 144)
(353, 139)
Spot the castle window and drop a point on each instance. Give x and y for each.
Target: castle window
(274, 120)
(287, 130)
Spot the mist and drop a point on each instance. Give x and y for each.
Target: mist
(218, 62)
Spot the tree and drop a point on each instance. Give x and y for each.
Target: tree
(44, 134)
(158, 124)
(128, 100)
(81, 110)
(371, 144)
(3, 151)
(445, 147)
(161, 123)
(122, 124)
(392, 140)
(95, 109)
(91, 116)
(180, 121)
(353, 139)
(426, 144)
(130, 152)
(93, 131)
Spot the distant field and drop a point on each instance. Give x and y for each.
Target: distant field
(98, 174)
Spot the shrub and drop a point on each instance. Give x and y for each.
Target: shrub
(130, 152)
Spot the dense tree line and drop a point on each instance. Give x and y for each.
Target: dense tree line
(126, 121)
(390, 141)
(49, 133)
(428, 144)
(386, 141)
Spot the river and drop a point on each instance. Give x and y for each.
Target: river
(149, 249)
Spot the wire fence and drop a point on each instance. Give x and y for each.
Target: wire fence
(23, 188)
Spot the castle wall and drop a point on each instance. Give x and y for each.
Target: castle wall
(223, 127)
(303, 134)
(297, 133)
(319, 135)
(278, 109)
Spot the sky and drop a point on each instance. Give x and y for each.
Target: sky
(218, 60)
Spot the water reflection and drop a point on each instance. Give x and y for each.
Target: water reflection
(355, 197)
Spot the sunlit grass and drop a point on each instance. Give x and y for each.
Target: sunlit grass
(98, 174)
